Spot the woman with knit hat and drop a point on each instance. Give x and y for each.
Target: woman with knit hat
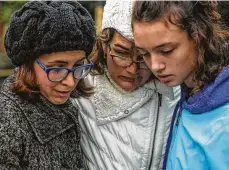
(125, 123)
(49, 43)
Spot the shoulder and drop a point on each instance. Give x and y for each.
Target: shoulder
(203, 127)
(170, 102)
(8, 100)
(10, 117)
(10, 109)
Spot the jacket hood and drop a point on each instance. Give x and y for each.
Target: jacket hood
(211, 96)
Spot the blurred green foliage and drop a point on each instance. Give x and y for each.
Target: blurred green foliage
(7, 8)
(91, 5)
(223, 8)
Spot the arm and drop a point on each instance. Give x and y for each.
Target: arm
(217, 149)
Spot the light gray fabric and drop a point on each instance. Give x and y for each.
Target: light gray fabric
(125, 138)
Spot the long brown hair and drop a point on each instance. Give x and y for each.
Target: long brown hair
(201, 21)
(98, 55)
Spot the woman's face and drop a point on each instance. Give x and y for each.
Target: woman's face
(128, 78)
(58, 92)
(167, 50)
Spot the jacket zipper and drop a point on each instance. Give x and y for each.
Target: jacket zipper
(169, 140)
(152, 142)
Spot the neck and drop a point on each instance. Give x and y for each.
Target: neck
(191, 82)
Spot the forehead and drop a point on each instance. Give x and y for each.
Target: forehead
(64, 55)
(118, 39)
(157, 32)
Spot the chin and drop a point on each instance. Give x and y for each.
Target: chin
(128, 87)
(172, 84)
(58, 101)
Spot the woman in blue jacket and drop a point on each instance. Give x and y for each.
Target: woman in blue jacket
(182, 43)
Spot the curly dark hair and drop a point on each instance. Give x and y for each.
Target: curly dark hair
(98, 55)
(201, 21)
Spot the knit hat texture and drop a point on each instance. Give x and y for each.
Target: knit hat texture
(117, 14)
(43, 27)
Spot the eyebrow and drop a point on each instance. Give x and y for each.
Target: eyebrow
(58, 61)
(159, 46)
(162, 45)
(121, 46)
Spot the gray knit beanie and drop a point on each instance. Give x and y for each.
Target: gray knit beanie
(117, 14)
(42, 27)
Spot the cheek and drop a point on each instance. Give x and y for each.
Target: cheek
(112, 68)
(44, 83)
(182, 59)
(42, 80)
(191, 61)
(46, 86)
(41, 76)
(147, 61)
(185, 65)
(190, 54)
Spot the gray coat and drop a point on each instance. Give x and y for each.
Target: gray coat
(37, 135)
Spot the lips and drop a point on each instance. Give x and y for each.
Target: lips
(63, 93)
(165, 78)
(130, 79)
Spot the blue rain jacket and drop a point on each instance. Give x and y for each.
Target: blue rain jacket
(201, 139)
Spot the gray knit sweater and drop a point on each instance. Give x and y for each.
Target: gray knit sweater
(37, 135)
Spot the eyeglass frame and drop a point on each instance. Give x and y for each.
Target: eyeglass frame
(48, 69)
(125, 58)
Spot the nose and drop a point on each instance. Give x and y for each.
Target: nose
(155, 64)
(132, 68)
(69, 80)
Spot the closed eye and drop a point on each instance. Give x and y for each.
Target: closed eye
(122, 54)
(167, 51)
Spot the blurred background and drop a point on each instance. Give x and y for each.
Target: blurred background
(94, 7)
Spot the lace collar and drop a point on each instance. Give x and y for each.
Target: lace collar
(113, 103)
